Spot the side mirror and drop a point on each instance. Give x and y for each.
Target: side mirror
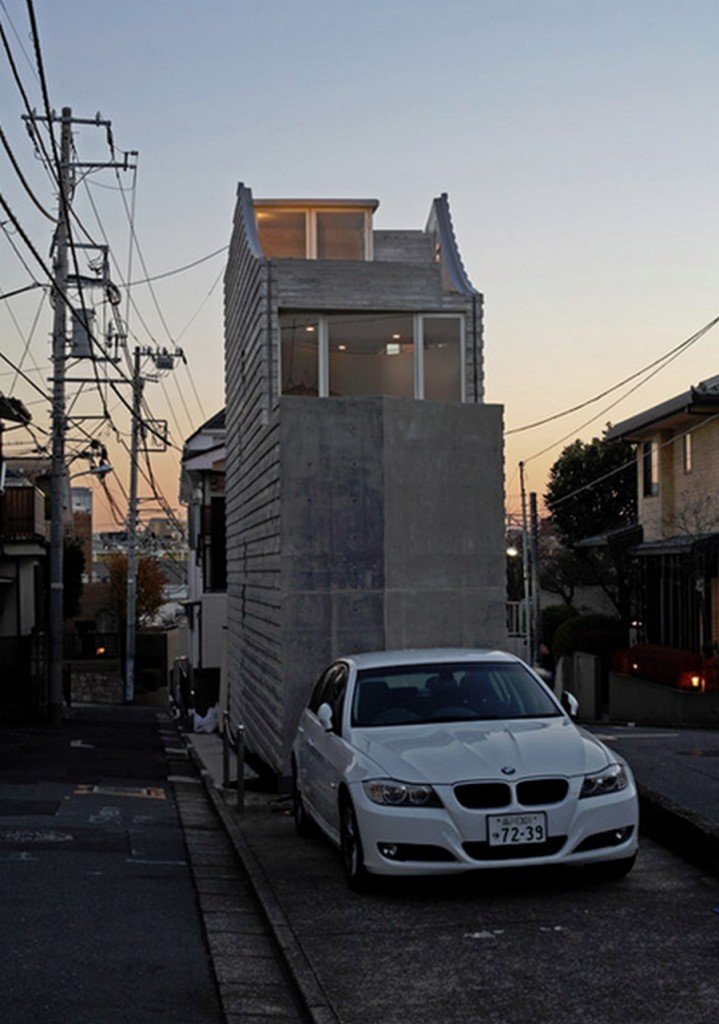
(570, 704)
(324, 713)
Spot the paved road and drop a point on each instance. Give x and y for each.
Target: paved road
(500, 948)
(100, 922)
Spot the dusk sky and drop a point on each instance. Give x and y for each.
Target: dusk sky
(576, 139)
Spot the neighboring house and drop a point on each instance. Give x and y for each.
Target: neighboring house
(676, 596)
(364, 473)
(202, 490)
(24, 537)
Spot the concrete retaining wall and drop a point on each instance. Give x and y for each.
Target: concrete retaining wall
(647, 703)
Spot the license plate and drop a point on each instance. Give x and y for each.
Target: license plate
(516, 829)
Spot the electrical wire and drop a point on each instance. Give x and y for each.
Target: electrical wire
(668, 356)
(21, 177)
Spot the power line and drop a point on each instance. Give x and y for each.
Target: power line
(590, 401)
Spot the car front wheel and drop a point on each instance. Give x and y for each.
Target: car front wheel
(351, 847)
(303, 823)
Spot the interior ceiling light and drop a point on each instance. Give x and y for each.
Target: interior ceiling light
(310, 328)
(396, 336)
(342, 348)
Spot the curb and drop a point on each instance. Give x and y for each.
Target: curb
(685, 833)
(312, 995)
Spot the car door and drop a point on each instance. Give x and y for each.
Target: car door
(310, 760)
(330, 749)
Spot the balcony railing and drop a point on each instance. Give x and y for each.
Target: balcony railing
(22, 514)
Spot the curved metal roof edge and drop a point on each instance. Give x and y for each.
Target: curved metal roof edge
(448, 242)
(246, 210)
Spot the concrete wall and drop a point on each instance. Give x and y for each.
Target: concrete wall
(392, 533)
(646, 703)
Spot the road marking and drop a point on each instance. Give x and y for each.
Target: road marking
(81, 745)
(184, 778)
(143, 792)
(16, 835)
(138, 860)
(484, 935)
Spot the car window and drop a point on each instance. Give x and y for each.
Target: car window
(330, 689)
(456, 691)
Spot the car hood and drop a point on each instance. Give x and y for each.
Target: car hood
(457, 751)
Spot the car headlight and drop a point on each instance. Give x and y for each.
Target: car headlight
(400, 794)
(609, 780)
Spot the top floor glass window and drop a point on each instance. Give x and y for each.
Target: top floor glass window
(282, 233)
(309, 233)
(402, 355)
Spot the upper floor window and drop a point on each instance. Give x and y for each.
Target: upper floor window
(650, 467)
(402, 355)
(687, 452)
(310, 232)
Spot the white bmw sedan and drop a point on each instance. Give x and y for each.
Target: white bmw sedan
(448, 760)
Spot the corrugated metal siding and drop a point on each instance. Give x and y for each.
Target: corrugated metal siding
(252, 497)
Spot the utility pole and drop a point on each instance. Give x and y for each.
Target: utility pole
(525, 571)
(57, 477)
(132, 530)
(163, 360)
(536, 607)
(62, 281)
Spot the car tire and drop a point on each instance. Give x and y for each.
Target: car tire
(303, 823)
(613, 870)
(351, 848)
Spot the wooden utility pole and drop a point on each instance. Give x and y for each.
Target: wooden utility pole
(57, 477)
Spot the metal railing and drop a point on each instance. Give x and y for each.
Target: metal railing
(234, 740)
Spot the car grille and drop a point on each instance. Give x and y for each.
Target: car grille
(483, 851)
(483, 795)
(542, 791)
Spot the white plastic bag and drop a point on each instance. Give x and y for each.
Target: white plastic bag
(208, 723)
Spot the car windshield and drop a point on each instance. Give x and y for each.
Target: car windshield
(448, 692)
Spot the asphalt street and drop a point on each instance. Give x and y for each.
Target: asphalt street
(498, 947)
(123, 901)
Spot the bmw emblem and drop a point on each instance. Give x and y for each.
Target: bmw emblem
(508, 770)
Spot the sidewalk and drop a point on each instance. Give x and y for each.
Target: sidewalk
(677, 771)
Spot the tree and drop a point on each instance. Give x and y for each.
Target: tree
(149, 592)
(592, 491)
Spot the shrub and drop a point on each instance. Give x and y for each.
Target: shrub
(595, 634)
(552, 617)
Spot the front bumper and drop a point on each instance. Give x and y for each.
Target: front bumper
(453, 839)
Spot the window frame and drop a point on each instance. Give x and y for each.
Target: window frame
(310, 215)
(323, 362)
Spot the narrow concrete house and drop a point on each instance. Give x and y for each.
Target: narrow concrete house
(364, 478)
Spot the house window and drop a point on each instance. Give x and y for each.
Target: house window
(401, 355)
(371, 355)
(300, 354)
(687, 452)
(314, 233)
(214, 550)
(340, 236)
(650, 467)
(442, 344)
(283, 233)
